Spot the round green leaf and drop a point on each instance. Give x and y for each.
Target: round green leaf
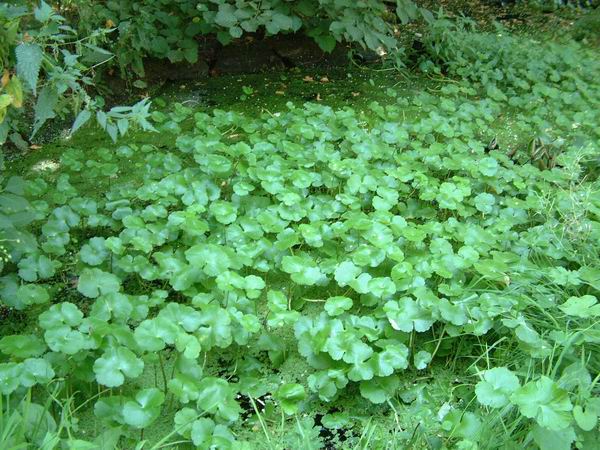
(496, 387)
(145, 409)
(290, 395)
(94, 282)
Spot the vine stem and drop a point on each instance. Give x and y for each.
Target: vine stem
(439, 342)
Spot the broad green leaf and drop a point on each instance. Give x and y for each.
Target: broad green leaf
(584, 307)
(145, 409)
(217, 397)
(327, 383)
(29, 60)
(114, 306)
(82, 118)
(302, 270)
(152, 335)
(64, 313)
(184, 419)
(488, 166)
(336, 420)
(202, 431)
(32, 294)
(407, 315)
(382, 287)
(337, 305)
(45, 107)
(422, 359)
(215, 327)
(213, 259)
(586, 419)
(95, 282)
(94, 252)
(496, 387)
(393, 357)
(463, 424)
(378, 390)
(224, 212)
(43, 12)
(545, 402)
(22, 346)
(450, 195)
(226, 16)
(326, 42)
(548, 439)
(279, 314)
(10, 377)
(484, 202)
(115, 364)
(346, 272)
(110, 409)
(290, 395)
(37, 267)
(36, 371)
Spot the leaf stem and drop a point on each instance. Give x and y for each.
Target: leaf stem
(262, 423)
(162, 370)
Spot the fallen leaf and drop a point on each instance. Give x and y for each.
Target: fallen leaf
(324, 80)
(5, 78)
(308, 78)
(35, 147)
(280, 92)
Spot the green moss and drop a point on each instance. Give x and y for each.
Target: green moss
(588, 26)
(337, 88)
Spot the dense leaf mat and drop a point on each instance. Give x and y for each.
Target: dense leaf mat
(287, 264)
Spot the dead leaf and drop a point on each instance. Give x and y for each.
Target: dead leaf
(35, 147)
(5, 78)
(324, 80)
(319, 97)
(109, 24)
(280, 92)
(308, 78)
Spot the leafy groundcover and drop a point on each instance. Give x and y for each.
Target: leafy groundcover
(322, 277)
